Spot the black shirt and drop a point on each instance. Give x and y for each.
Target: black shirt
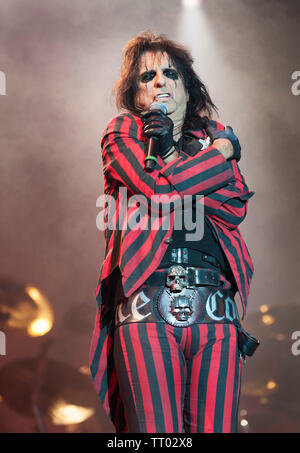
(208, 246)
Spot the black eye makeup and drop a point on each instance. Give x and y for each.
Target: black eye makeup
(149, 75)
(171, 73)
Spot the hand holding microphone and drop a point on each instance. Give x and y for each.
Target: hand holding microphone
(159, 128)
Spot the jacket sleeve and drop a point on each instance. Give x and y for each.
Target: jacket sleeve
(123, 165)
(228, 205)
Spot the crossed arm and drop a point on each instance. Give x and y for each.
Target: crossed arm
(206, 173)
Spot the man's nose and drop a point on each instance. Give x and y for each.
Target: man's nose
(160, 79)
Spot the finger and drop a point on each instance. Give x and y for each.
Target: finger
(152, 132)
(212, 131)
(211, 127)
(211, 123)
(152, 113)
(150, 129)
(154, 124)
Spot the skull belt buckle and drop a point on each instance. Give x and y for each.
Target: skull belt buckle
(176, 278)
(178, 304)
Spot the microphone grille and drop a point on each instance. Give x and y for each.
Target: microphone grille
(159, 106)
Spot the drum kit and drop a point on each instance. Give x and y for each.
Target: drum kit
(49, 390)
(39, 387)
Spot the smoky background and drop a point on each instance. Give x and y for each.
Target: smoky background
(61, 60)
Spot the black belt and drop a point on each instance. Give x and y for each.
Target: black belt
(190, 257)
(194, 277)
(205, 304)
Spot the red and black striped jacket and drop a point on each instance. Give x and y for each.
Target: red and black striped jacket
(137, 252)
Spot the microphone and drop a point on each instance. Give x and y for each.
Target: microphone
(152, 144)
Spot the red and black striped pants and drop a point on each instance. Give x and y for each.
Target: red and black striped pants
(178, 379)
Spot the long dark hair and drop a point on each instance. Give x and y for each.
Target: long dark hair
(199, 107)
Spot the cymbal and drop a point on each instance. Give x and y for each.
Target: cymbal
(24, 308)
(65, 395)
(81, 317)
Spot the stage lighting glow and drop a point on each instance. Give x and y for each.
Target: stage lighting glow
(264, 308)
(243, 412)
(191, 3)
(34, 293)
(63, 413)
(196, 31)
(39, 327)
(244, 422)
(44, 322)
(268, 320)
(271, 385)
(84, 370)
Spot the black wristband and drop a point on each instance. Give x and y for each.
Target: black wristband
(172, 149)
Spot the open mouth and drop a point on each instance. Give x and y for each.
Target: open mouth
(162, 96)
